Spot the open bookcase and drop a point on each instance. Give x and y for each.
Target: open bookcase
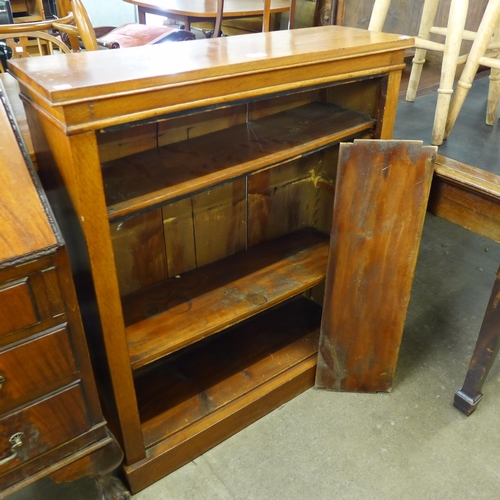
(195, 183)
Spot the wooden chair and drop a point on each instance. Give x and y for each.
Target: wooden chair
(56, 36)
(74, 31)
(266, 17)
(128, 35)
(41, 38)
(377, 19)
(454, 34)
(485, 352)
(487, 40)
(379, 14)
(488, 342)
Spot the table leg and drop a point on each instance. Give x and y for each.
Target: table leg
(485, 352)
(141, 14)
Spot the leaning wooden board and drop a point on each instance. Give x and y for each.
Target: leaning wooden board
(379, 210)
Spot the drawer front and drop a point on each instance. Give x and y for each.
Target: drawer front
(39, 362)
(17, 309)
(37, 429)
(29, 300)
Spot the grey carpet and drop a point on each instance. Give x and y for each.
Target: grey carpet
(471, 140)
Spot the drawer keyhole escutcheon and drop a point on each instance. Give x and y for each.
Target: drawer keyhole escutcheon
(2, 381)
(16, 441)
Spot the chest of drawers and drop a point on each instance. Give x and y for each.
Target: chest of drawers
(50, 418)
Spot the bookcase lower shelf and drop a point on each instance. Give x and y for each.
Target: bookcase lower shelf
(213, 389)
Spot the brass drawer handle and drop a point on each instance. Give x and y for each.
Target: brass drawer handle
(2, 381)
(16, 441)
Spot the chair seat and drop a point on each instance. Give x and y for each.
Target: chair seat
(134, 35)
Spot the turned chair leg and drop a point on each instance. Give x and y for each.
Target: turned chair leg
(487, 346)
(484, 35)
(494, 88)
(379, 14)
(456, 25)
(493, 97)
(428, 16)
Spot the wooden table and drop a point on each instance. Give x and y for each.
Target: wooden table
(469, 196)
(191, 11)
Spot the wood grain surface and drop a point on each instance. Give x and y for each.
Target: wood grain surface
(27, 372)
(200, 380)
(467, 196)
(380, 204)
(24, 227)
(158, 175)
(45, 424)
(178, 312)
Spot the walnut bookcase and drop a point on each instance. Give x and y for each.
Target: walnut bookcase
(199, 180)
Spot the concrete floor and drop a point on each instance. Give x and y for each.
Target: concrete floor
(409, 444)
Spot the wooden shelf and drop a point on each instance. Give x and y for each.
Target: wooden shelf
(170, 315)
(27, 11)
(153, 177)
(29, 18)
(199, 382)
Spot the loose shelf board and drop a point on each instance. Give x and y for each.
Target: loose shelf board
(379, 209)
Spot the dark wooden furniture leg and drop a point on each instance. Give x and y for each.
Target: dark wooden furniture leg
(485, 352)
(109, 486)
(101, 466)
(141, 15)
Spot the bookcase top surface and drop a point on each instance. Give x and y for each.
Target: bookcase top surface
(86, 75)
